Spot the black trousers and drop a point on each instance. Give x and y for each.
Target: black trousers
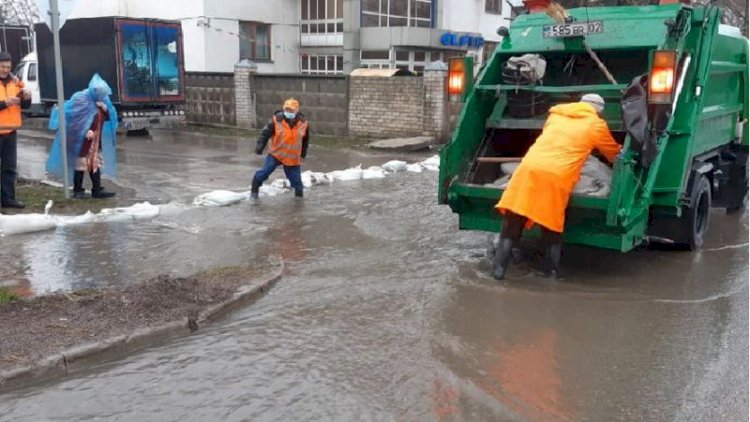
(513, 227)
(8, 156)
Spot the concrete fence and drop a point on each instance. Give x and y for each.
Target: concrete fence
(323, 99)
(210, 98)
(355, 106)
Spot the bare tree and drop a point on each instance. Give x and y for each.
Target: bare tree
(18, 12)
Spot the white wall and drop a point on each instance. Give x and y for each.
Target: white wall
(223, 49)
(206, 49)
(469, 16)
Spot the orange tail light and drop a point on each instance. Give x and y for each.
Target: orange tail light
(456, 77)
(662, 81)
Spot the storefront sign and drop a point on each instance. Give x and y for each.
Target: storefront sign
(461, 40)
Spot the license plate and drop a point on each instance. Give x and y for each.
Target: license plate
(575, 29)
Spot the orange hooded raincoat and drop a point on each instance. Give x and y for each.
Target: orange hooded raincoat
(541, 185)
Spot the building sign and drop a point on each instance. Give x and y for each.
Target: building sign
(450, 39)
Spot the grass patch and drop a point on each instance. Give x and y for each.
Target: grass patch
(7, 295)
(35, 195)
(251, 135)
(234, 132)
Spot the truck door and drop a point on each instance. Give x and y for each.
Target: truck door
(151, 68)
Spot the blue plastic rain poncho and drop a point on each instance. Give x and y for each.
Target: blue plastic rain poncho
(80, 111)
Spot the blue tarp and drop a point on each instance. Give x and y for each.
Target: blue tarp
(80, 111)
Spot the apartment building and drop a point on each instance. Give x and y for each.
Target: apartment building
(320, 36)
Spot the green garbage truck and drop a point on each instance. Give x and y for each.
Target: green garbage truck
(675, 81)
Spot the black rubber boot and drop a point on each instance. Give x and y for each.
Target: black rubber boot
(298, 193)
(554, 253)
(98, 191)
(254, 189)
(78, 191)
(500, 261)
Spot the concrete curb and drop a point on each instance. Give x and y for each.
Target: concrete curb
(82, 357)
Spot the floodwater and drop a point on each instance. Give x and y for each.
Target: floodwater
(387, 312)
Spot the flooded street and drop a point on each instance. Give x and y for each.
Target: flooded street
(386, 311)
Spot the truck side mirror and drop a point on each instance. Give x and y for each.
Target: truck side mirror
(503, 31)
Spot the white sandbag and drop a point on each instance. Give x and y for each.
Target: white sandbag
(373, 172)
(595, 180)
(267, 190)
(25, 223)
(139, 211)
(394, 166)
(310, 178)
(509, 168)
(64, 220)
(432, 163)
(414, 168)
(219, 198)
(282, 184)
(354, 173)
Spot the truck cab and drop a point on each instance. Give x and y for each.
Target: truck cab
(28, 71)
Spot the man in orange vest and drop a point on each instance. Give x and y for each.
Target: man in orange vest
(539, 189)
(290, 135)
(12, 99)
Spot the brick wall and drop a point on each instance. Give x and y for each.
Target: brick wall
(323, 100)
(210, 98)
(386, 106)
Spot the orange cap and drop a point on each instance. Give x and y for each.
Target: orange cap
(292, 104)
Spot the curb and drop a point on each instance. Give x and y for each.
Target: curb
(79, 358)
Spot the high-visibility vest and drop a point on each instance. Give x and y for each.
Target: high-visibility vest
(10, 117)
(286, 145)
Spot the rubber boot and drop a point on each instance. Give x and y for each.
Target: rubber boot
(97, 191)
(298, 193)
(78, 191)
(254, 189)
(500, 261)
(554, 253)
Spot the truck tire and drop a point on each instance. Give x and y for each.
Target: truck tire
(693, 224)
(738, 177)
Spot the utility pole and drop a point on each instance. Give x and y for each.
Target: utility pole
(54, 11)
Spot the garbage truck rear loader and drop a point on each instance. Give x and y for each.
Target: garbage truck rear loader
(678, 104)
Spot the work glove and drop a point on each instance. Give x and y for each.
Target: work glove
(259, 149)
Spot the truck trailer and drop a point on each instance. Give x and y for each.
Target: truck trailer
(141, 60)
(675, 81)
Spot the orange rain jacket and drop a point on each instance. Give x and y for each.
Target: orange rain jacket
(10, 117)
(541, 185)
(289, 142)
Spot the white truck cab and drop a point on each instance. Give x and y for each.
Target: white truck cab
(28, 71)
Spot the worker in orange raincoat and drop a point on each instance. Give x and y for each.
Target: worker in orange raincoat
(539, 189)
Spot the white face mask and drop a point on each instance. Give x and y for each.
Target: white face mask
(290, 115)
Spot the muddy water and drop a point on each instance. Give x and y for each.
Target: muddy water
(386, 312)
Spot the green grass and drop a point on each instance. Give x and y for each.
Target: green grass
(7, 296)
(35, 195)
(326, 141)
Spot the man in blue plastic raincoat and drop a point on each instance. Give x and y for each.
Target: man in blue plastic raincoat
(91, 126)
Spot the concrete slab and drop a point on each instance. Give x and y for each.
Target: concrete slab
(404, 144)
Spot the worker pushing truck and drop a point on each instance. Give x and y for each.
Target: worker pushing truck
(670, 84)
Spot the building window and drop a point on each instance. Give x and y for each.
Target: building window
(255, 41)
(314, 64)
(493, 6)
(415, 13)
(489, 48)
(413, 60)
(322, 16)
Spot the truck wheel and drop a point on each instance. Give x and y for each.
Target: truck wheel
(739, 186)
(694, 221)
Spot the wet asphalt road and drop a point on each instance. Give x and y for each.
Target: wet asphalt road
(387, 312)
